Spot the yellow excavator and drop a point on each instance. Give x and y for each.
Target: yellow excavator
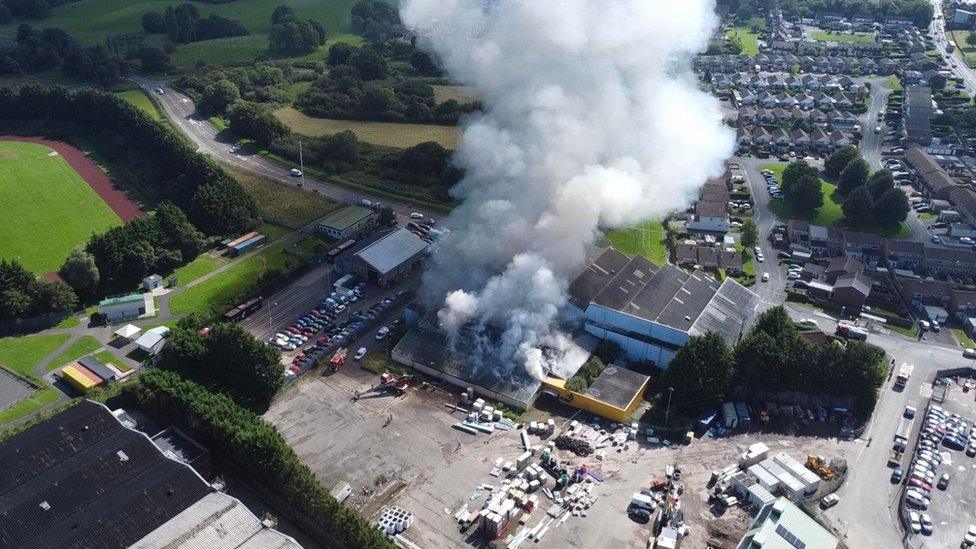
(819, 465)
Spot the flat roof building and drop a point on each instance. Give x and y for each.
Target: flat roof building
(614, 395)
(347, 222)
(126, 307)
(391, 258)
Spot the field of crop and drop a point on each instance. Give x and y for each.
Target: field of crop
(91, 21)
(389, 134)
(461, 94)
(283, 204)
(46, 207)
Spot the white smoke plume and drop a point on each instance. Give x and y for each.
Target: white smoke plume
(591, 120)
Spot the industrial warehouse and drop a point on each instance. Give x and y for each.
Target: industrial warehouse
(651, 312)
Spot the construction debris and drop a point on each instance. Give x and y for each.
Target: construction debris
(575, 445)
(394, 520)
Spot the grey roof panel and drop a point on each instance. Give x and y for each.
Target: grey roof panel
(656, 294)
(594, 278)
(393, 249)
(628, 282)
(729, 313)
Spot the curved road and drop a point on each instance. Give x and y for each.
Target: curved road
(937, 28)
(181, 111)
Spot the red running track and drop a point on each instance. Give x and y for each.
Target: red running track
(97, 179)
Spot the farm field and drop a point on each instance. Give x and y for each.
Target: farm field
(830, 214)
(46, 206)
(461, 94)
(646, 239)
(20, 355)
(287, 205)
(389, 134)
(91, 21)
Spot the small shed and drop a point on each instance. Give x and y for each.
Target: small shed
(152, 282)
(128, 332)
(153, 340)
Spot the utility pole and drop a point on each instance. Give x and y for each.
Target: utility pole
(301, 162)
(667, 411)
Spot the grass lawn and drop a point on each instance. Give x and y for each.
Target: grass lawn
(309, 244)
(137, 97)
(227, 288)
(747, 38)
(892, 83)
(284, 204)
(69, 321)
(967, 52)
(20, 355)
(46, 207)
(198, 267)
(85, 345)
(963, 338)
(830, 214)
(830, 37)
(107, 357)
(390, 134)
(646, 239)
(461, 94)
(911, 332)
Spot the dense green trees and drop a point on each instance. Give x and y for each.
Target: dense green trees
(256, 447)
(801, 187)
(854, 174)
(892, 207)
(255, 121)
(153, 23)
(218, 96)
(838, 160)
(183, 24)
(23, 295)
(229, 360)
(428, 158)
(177, 171)
(81, 273)
(750, 233)
(125, 255)
(858, 205)
(293, 37)
(700, 372)
(880, 182)
(773, 357)
(375, 20)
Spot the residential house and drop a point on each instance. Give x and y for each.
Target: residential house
(908, 255)
(924, 296)
(934, 180)
(838, 139)
(780, 138)
(817, 116)
(851, 291)
(743, 137)
(963, 200)
(747, 117)
(826, 241)
(840, 267)
(760, 136)
(917, 116)
(950, 261)
(864, 247)
(800, 138)
(820, 139)
(798, 232)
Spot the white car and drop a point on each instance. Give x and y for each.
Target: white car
(295, 172)
(360, 353)
(916, 522)
(924, 324)
(416, 215)
(970, 538)
(969, 352)
(829, 501)
(809, 322)
(765, 277)
(760, 258)
(382, 332)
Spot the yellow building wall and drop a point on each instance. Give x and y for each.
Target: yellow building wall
(79, 380)
(592, 405)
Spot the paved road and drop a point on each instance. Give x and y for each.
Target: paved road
(961, 70)
(871, 142)
(867, 511)
(182, 113)
(771, 292)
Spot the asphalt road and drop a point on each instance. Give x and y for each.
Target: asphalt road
(871, 142)
(941, 41)
(771, 292)
(181, 111)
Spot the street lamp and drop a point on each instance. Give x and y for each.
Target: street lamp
(667, 411)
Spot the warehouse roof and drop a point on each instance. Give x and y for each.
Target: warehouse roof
(595, 277)
(629, 280)
(783, 525)
(346, 217)
(617, 386)
(82, 480)
(217, 521)
(392, 250)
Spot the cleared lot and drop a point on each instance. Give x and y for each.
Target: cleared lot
(405, 452)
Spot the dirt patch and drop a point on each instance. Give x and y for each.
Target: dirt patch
(97, 179)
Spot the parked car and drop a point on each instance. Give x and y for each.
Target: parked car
(896, 475)
(765, 277)
(295, 172)
(970, 537)
(944, 481)
(829, 501)
(360, 353)
(915, 521)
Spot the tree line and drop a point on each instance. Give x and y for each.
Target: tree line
(920, 12)
(774, 357)
(182, 24)
(23, 295)
(292, 36)
(252, 445)
(31, 9)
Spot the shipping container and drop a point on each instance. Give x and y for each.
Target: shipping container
(729, 416)
(248, 244)
(742, 413)
(241, 238)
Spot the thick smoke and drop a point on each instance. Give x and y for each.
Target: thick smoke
(591, 120)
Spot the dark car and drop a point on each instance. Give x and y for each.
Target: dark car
(896, 475)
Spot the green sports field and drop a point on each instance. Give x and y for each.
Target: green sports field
(91, 21)
(45, 206)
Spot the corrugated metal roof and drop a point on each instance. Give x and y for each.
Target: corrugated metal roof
(131, 298)
(346, 217)
(392, 250)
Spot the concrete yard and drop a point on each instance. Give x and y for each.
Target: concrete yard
(415, 462)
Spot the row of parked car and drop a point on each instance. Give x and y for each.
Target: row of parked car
(938, 427)
(772, 184)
